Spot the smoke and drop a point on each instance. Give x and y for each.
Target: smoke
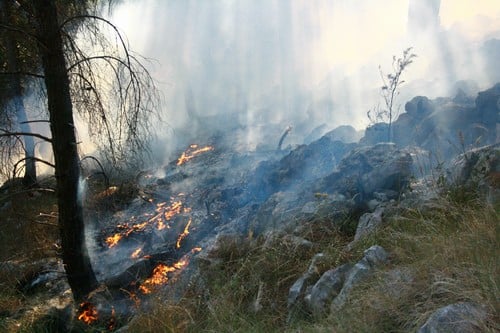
(261, 65)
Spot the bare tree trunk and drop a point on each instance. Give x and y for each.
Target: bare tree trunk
(29, 178)
(79, 271)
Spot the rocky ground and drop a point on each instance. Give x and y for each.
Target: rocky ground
(218, 203)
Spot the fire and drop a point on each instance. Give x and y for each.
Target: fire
(163, 212)
(184, 234)
(136, 253)
(159, 276)
(113, 240)
(174, 209)
(191, 152)
(88, 313)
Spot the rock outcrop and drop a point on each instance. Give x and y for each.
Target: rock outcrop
(365, 170)
(330, 292)
(457, 318)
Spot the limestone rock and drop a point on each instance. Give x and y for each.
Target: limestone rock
(374, 257)
(299, 288)
(478, 169)
(457, 318)
(368, 222)
(326, 289)
(366, 170)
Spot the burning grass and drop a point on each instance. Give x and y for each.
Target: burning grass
(193, 151)
(449, 247)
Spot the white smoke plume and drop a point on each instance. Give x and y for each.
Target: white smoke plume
(267, 64)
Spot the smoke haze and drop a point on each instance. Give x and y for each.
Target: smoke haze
(273, 63)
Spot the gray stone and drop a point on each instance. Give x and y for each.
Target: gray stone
(326, 289)
(373, 257)
(419, 107)
(297, 292)
(346, 134)
(366, 170)
(478, 169)
(368, 222)
(455, 318)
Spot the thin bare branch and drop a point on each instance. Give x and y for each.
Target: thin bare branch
(36, 135)
(36, 159)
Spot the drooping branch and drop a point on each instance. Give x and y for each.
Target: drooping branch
(36, 135)
(105, 176)
(115, 94)
(36, 159)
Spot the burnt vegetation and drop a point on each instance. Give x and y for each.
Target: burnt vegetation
(222, 239)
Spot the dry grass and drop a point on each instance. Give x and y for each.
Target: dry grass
(449, 250)
(244, 284)
(28, 228)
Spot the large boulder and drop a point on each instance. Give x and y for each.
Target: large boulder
(458, 318)
(303, 164)
(444, 126)
(419, 107)
(478, 169)
(375, 133)
(488, 111)
(366, 170)
(345, 133)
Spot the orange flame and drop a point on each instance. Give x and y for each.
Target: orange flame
(159, 276)
(184, 234)
(88, 313)
(113, 240)
(136, 253)
(191, 152)
(173, 209)
(163, 213)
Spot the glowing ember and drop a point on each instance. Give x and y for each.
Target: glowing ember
(163, 213)
(159, 276)
(113, 240)
(183, 235)
(88, 313)
(136, 253)
(160, 225)
(107, 192)
(192, 152)
(174, 209)
(112, 321)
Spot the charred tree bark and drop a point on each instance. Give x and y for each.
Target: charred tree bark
(80, 274)
(16, 91)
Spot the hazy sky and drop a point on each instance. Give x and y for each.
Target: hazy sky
(289, 61)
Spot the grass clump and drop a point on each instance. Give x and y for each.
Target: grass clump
(449, 252)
